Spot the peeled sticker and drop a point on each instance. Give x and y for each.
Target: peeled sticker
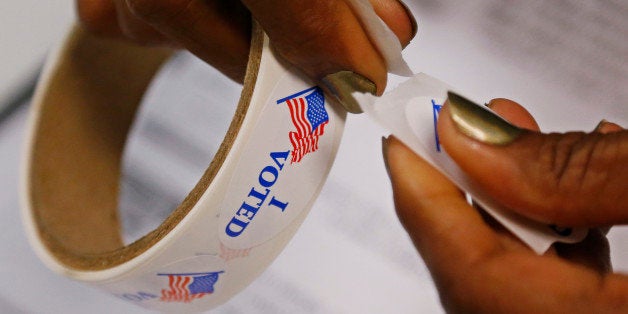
(411, 112)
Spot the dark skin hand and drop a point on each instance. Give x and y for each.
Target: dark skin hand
(478, 266)
(320, 38)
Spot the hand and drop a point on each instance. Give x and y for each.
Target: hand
(319, 37)
(572, 179)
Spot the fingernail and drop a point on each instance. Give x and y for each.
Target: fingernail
(415, 26)
(600, 125)
(385, 153)
(342, 84)
(480, 124)
(606, 126)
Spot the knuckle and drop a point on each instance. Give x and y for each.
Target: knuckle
(561, 166)
(575, 166)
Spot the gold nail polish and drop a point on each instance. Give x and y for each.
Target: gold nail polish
(479, 123)
(342, 84)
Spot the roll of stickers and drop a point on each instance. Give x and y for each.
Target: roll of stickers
(249, 203)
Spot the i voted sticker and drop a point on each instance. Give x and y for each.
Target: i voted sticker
(263, 198)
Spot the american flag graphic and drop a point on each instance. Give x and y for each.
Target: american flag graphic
(309, 116)
(436, 111)
(188, 287)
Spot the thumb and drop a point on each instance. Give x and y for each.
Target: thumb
(327, 40)
(570, 179)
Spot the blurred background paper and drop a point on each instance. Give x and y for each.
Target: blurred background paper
(564, 60)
